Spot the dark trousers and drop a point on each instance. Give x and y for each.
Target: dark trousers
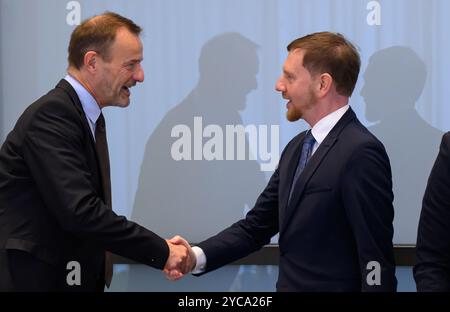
(22, 272)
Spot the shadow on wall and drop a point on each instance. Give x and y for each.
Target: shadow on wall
(198, 198)
(394, 80)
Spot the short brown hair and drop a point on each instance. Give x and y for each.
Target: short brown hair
(97, 34)
(327, 52)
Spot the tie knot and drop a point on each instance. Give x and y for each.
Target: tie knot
(309, 139)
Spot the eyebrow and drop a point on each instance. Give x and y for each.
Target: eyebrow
(286, 72)
(133, 61)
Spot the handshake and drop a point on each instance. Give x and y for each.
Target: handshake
(182, 259)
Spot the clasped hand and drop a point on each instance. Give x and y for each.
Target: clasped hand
(181, 259)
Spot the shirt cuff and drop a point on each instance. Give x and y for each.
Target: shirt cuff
(201, 260)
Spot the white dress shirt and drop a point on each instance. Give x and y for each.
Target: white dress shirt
(319, 132)
(324, 126)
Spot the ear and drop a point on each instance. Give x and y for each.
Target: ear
(91, 59)
(325, 83)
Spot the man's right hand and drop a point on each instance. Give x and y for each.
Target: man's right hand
(181, 260)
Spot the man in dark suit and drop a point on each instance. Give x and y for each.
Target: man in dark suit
(432, 269)
(56, 220)
(331, 196)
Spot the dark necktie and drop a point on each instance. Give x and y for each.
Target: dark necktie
(101, 144)
(308, 144)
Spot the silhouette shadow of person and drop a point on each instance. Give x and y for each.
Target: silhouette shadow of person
(393, 82)
(197, 198)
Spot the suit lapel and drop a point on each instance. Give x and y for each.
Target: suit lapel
(93, 159)
(311, 167)
(63, 84)
(292, 156)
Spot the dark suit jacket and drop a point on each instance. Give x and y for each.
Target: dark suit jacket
(51, 202)
(432, 270)
(339, 218)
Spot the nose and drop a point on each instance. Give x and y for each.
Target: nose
(139, 74)
(279, 85)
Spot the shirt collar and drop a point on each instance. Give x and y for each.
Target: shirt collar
(324, 125)
(89, 104)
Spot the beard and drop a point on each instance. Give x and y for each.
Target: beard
(295, 113)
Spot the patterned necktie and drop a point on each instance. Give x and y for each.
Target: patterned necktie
(101, 144)
(308, 144)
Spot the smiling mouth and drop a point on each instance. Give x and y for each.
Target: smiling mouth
(126, 90)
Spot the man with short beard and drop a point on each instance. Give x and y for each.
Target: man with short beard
(330, 199)
(57, 228)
